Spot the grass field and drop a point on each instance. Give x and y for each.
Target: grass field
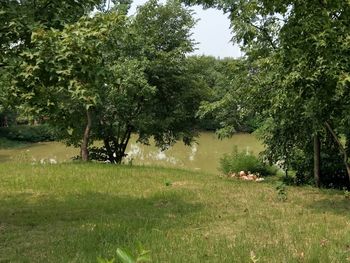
(77, 212)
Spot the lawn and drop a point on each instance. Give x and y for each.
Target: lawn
(77, 212)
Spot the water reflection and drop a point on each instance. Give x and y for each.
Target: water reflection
(202, 155)
(136, 152)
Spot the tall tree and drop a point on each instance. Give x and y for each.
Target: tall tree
(61, 76)
(18, 20)
(108, 76)
(299, 56)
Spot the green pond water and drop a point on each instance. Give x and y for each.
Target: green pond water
(203, 155)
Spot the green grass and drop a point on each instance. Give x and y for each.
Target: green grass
(77, 212)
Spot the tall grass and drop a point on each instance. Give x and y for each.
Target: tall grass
(79, 212)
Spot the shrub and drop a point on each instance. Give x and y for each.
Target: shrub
(8, 144)
(333, 172)
(28, 133)
(244, 161)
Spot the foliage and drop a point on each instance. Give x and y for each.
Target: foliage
(104, 260)
(160, 96)
(28, 133)
(333, 172)
(111, 76)
(244, 161)
(226, 79)
(19, 19)
(297, 61)
(59, 77)
(346, 193)
(7, 117)
(143, 256)
(213, 78)
(10, 144)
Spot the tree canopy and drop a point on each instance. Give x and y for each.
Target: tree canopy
(297, 55)
(107, 76)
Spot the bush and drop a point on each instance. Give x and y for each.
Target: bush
(243, 161)
(28, 133)
(9, 144)
(333, 173)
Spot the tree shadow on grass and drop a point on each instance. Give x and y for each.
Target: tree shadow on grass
(91, 224)
(339, 206)
(35, 209)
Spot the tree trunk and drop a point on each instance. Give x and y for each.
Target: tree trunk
(109, 150)
(317, 157)
(122, 146)
(347, 142)
(6, 124)
(85, 143)
(341, 148)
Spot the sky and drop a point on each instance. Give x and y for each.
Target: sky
(212, 32)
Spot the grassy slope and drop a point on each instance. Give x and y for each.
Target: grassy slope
(76, 212)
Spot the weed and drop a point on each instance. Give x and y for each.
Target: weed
(281, 190)
(124, 256)
(346, 193)
(253, 257)
(168, 183)
(141, 257)
(104, 260)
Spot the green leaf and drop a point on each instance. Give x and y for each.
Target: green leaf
(125, 257)
(103, 260)
(144, 258)
(70, 131)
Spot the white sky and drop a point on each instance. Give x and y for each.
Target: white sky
(212, 32)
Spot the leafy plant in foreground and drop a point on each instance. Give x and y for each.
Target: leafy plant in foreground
(126, 257)
(142, 256)
(103, 260)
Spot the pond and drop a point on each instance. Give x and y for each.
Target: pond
(203, 155)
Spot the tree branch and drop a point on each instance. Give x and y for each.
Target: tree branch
(266, 34)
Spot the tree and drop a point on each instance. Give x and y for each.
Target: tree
(60, 77)
(108, 76)
(226, 79)
(298, 54)
(18, 20)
